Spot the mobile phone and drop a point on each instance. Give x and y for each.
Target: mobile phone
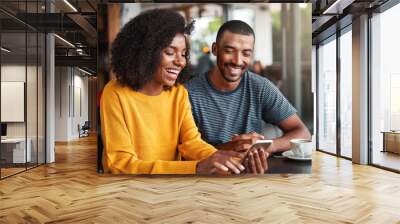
(259, 143)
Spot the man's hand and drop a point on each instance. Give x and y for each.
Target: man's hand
(241, 142)
(253, 136)
(292, 128)
(256, 161)
(221, 162)
(237, 145)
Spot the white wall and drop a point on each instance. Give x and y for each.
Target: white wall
(80, 109)
(71, 94)
(13, 73)
(61, 103)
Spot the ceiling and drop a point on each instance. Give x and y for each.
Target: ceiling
(77, 24)
(330, 15)
(74, 21)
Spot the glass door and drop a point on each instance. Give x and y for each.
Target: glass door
(14, 154)
(22, 88)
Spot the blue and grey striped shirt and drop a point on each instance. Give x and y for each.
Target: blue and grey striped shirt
(220, 115)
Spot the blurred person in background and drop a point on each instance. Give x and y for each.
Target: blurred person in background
(257, 68)
(229, 102)
(204, 63)
(274, 74)
(146, 115)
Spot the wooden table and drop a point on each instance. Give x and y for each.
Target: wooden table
(284, 165)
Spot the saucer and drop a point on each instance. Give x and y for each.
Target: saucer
(290, 155)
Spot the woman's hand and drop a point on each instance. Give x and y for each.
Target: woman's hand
(221, 162)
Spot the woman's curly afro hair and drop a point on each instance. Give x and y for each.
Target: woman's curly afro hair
(136, 51)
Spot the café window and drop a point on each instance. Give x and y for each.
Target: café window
(346, 92)
(327, 95)
(385, 89)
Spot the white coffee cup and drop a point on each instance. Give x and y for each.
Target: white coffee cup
(301, 147)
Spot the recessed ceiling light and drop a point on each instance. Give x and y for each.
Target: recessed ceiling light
(5, 50)
(65, 41)
(337, 7)
(84, 71)
(70, 5)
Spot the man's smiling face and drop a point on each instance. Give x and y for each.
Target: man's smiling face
(234, 53)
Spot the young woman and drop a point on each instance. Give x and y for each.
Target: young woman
(146, 116)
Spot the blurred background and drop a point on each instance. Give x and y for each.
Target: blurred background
(55, 61)
(282, 51)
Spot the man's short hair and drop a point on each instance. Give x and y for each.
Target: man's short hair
(235, 26)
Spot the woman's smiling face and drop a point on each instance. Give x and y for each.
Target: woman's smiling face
(172, 62)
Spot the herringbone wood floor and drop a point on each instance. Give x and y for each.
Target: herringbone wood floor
(70, 191)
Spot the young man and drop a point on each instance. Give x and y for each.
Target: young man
(230, 102)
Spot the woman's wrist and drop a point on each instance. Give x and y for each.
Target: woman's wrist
(198, 167)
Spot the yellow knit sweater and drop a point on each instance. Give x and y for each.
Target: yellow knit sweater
(141, 133)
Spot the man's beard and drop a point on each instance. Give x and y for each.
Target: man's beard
(227, 77)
